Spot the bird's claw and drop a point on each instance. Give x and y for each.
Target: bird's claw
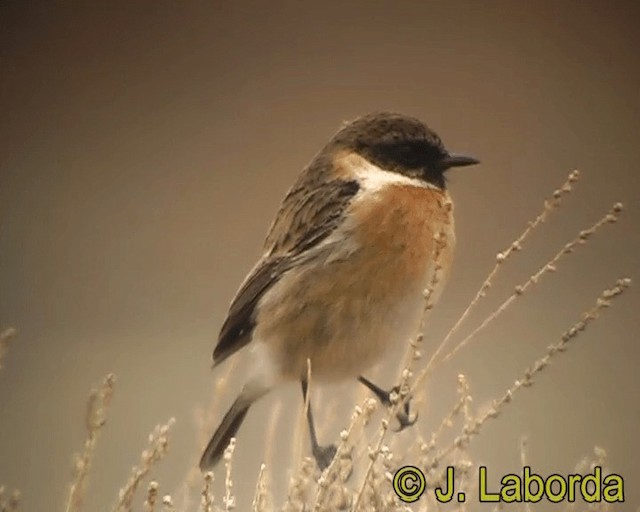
(389, 399)
(404, 416)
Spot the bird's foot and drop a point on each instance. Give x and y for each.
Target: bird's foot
(404, 416)
(324, 455)
(343, 469)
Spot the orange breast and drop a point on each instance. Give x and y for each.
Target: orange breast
(400, 221)
(344, 315)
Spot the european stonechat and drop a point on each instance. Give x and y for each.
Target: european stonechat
(344, 267)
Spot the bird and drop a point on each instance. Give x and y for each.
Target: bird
(344, 266)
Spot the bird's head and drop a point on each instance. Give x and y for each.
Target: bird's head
(401, 144)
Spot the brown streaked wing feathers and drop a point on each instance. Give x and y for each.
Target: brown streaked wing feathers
(238, 326)
(309, 213)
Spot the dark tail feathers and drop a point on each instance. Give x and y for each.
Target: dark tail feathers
(231, 422)
(227, 429)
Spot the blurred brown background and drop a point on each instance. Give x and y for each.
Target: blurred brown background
(145, 146)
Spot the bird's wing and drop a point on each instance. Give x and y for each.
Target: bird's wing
(312, 209)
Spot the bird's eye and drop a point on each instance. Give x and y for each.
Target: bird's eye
(408, 153)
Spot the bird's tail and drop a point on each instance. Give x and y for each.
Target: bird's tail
(230, 425)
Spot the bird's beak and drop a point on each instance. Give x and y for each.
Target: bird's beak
(454, 160)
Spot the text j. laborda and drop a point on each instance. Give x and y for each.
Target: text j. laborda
(409, 483)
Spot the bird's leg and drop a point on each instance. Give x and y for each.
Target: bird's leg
(403, 416)
(323, 454)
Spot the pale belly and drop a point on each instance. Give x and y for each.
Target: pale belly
(345, 313)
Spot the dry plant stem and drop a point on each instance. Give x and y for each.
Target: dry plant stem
(167, 503)
(360, 412)
(461, 462)
(152, 497)
(439, 244)
(155, 452)
(229, 499)
(610, 218)
(461, 406)
(551, 266)
(464, 399)
(206, 496)
(549, 205)
(374, 453)
(465, 464)
(5, 338)
(95, 419)
(298, 486)
(472, 430)
(599, 458)
(260, 496)
(464, 391)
